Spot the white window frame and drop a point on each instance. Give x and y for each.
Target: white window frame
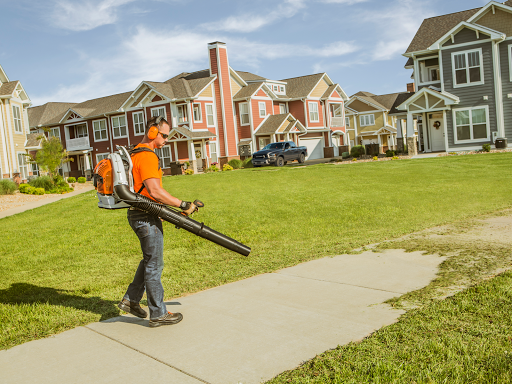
(369, 123)
(510, 60)
(141, 122)
(282, 107)
(18, 126)
(213, 152)
(183, 117)
(454, 116)
(262, 107)
(160, 153)
(281, 89)
(103, 155)
(200, 111)
(212, 115)
(94, 131)
(468, 84)
(312, 111)
(159, 114)
(51, 132)
(246, 105)
(114, 127)
(347, 121)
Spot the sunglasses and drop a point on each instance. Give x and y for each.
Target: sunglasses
(164, 135)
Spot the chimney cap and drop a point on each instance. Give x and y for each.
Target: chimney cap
(217, 42)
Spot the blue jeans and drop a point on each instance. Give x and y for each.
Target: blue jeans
(148, 229)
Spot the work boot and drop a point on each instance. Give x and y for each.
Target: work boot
(167, 319)
(133, 308)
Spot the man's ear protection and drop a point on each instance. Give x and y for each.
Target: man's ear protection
(153, 130)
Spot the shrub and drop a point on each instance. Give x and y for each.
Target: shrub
(212, 168)
(395, 158)
(25, 188)
(235, 163)
(357, 151)
(375, 158)
(44, 182)
(59, 181)
(37, 191)
(354, 159)
(247, 163)
(71, 180)
(486, 147)
(7, 187)
(345, 155)
(81, 180)
(227, 167)
(390, 153)
(189, 171)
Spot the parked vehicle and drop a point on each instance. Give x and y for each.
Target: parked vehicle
(279, 154)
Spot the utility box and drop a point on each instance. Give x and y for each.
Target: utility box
(501, 143)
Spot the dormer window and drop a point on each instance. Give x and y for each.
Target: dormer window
(429, 71)
(281, 89)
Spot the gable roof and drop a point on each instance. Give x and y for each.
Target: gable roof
(102, 105)
(187, 85)
(401, 98)
(247, 76)
(8, 88)
(47, 114)
(302, 86)
(34, 140)
(247, 91)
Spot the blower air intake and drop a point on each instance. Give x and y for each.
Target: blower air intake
(113, 181)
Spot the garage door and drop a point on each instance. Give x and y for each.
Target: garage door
(314, 146)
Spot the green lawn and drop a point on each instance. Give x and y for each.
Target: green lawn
(68, 263)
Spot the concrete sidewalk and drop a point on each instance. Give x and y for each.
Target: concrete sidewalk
(244, 332)
(40, 203)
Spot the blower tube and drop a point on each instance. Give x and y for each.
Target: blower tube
(181, 221)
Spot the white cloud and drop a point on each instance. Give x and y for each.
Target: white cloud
(348, 2)
(85, 15)
(250, 22)
(396, 26)
(157, 56)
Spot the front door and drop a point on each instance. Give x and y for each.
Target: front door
(436, 125)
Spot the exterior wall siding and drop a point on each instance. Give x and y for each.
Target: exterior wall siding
(320, 89)
(505, 61)
(228, 102)
(297, 110)
(321, 122)
(466, 35)
(471, 96)
(256, 111)
(500, 21)
(360, 106)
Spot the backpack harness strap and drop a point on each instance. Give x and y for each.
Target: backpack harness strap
(144, 149)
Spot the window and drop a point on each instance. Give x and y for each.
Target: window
(282, 108)
(434, 74)
(160, 111)
(213, 152)
(35, 169)
(100, 130)
(275, 88)
(119, 126)
(22, 165)
(182, 113)
(347, 121)
(164, 154)
(263, 108)
(467, 68)
(281, 89)
(366, 120)
(138, 123)
(510, 59)
(210, 122)
(16, 115)
(244, 114)
(101, 156)
(197, 113)
(471, 124)
(54, 132)
(81, 131)
(313, 112)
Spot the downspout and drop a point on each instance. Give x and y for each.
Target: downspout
(498, 89)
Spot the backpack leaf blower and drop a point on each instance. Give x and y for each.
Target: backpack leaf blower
(113, 181)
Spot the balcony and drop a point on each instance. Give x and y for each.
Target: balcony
(337, 122)
(81, 143)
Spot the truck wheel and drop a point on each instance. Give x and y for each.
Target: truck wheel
(301, 158)
(280, 162)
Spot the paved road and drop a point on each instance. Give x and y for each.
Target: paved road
(243, 332)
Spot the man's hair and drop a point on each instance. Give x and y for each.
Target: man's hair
(156, 121)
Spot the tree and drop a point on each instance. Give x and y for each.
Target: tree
(51, 155)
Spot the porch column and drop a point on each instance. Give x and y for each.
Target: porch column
(205, 156)
(411, 140)
(192, 155)
(380, 143)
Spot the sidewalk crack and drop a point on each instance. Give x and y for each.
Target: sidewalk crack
(151, 357)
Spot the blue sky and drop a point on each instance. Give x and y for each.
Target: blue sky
(72, 51)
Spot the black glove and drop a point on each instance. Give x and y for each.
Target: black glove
(188, 208)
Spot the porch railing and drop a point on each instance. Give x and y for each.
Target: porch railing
(337, 122)
(78, 144)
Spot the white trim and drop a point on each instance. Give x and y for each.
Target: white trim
(454, 124)
(260, 109)
(160, 107)
(119, 127)
(3, 136)
(106, 130)
(14, 119)
(485, 8)
(498, 91)
(462, 45)
(466, 57)
(445, 130)
(200, 113)
(101, 154)
(134, 124)
(310, 103)
(241, 114)
(8, 111)
(510, 60)
(363, 124)
(213, 114)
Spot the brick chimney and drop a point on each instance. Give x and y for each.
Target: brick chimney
(411, 87)
(219, 65)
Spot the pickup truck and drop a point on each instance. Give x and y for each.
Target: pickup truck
(279, 154)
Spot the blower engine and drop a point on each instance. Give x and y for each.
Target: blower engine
(113, 180)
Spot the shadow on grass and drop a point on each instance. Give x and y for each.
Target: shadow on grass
(24, 293)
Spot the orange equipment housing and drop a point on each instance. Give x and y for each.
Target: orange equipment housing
(105, 181)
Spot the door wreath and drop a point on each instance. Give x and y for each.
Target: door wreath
(437, 125)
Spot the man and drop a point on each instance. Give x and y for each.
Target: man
(147, 177)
